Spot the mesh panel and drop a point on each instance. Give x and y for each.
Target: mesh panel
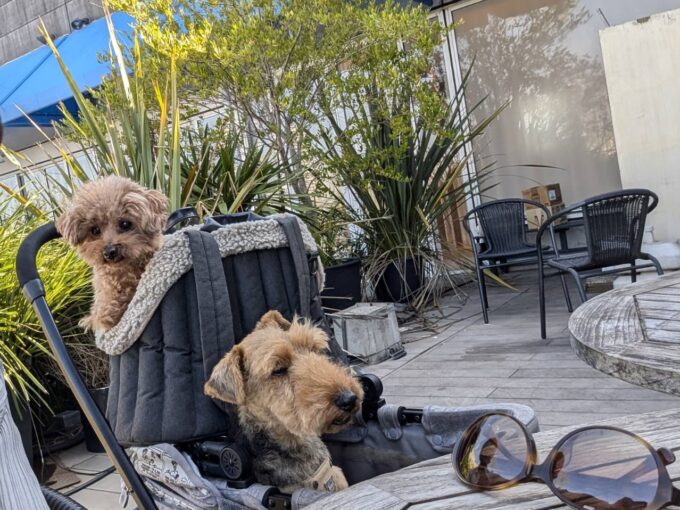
(614, 227)
(503, 226)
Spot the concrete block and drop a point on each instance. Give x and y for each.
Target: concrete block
(369, 331)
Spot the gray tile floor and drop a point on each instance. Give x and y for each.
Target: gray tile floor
(470, 362)
(103, 495)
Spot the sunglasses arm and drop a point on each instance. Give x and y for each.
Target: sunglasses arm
(675, 497)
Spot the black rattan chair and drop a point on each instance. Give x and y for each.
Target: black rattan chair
(504, 232)
(614, 224)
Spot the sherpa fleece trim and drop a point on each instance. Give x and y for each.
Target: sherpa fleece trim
(173, 260)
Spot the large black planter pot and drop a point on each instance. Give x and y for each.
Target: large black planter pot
(21, 413)
(400, 281)
(92, 442)
(343, 286)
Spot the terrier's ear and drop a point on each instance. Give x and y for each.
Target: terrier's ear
(158, 205)
(227, 382)
(273, 318)
(68, 225)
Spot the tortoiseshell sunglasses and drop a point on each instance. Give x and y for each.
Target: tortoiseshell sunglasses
(592, 468)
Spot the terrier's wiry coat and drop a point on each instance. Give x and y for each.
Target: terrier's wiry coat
(116, 226)
(288, 393)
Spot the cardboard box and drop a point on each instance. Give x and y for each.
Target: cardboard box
(536, 217)
(548, 195)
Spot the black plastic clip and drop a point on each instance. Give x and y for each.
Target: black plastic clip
(279, 502)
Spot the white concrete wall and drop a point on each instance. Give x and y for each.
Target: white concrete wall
(642, 67)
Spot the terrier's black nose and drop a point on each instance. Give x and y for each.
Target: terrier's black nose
(111, 252)
(345, 400)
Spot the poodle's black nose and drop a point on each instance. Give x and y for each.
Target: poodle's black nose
(111, 252)
(346, 400)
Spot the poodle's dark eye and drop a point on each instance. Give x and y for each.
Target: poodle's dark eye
(124, 225)
(280, 371)
(95, 231)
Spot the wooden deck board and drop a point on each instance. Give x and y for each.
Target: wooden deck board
(472, 362)
(433, 485)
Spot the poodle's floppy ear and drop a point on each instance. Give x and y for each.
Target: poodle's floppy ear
(227, 382)
(68, 225)
(158, 205)
(272, 318)
(149, 207)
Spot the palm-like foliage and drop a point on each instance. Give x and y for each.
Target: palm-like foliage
(121, 134)
(229, 177)
(400, 175)
(67, 284)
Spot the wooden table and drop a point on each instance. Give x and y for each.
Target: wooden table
(633, 333)
(432, 484)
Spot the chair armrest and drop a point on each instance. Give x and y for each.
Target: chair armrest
(549, 224)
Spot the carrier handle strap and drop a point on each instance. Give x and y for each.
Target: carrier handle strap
(185, 214)
(291, 227)
(214, 307)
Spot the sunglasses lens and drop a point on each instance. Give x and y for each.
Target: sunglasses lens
(495, 453)
(602, 469)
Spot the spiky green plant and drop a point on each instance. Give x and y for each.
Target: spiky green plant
(68, 292)
(398, 176)
(229, 176)
(121, 134)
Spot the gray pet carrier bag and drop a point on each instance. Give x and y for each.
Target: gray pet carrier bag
(202, 292)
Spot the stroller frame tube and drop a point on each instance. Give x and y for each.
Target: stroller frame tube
(32, 286)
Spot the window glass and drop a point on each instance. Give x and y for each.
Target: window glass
(544, 57)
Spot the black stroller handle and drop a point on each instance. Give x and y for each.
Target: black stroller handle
(29, 279)
(28, 252)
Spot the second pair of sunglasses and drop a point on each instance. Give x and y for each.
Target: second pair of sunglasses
(592, 468)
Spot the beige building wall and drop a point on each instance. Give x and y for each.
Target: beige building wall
(19, 22)
(642, 66)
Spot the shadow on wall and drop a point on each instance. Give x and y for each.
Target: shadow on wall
(544, 57)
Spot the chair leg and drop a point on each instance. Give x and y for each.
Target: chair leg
(482, 293)
(657, 264)
(581, 288)
(565, 288)
(541, 300)
(633, 272)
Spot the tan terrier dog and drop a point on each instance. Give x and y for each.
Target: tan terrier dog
(116, 226)
(288, 394)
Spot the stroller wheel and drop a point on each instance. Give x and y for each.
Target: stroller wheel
(372, 386)
(234, 462)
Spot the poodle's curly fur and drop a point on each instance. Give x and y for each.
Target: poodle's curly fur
(116, 226)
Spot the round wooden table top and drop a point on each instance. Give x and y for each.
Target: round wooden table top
(633, 333)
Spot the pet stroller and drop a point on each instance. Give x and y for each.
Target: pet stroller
(201, 294)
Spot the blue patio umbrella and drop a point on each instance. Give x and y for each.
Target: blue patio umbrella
(34, 84)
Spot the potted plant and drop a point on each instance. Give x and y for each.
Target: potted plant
(93, 366)
(340, 252)
(398, 169)
(22, 343)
